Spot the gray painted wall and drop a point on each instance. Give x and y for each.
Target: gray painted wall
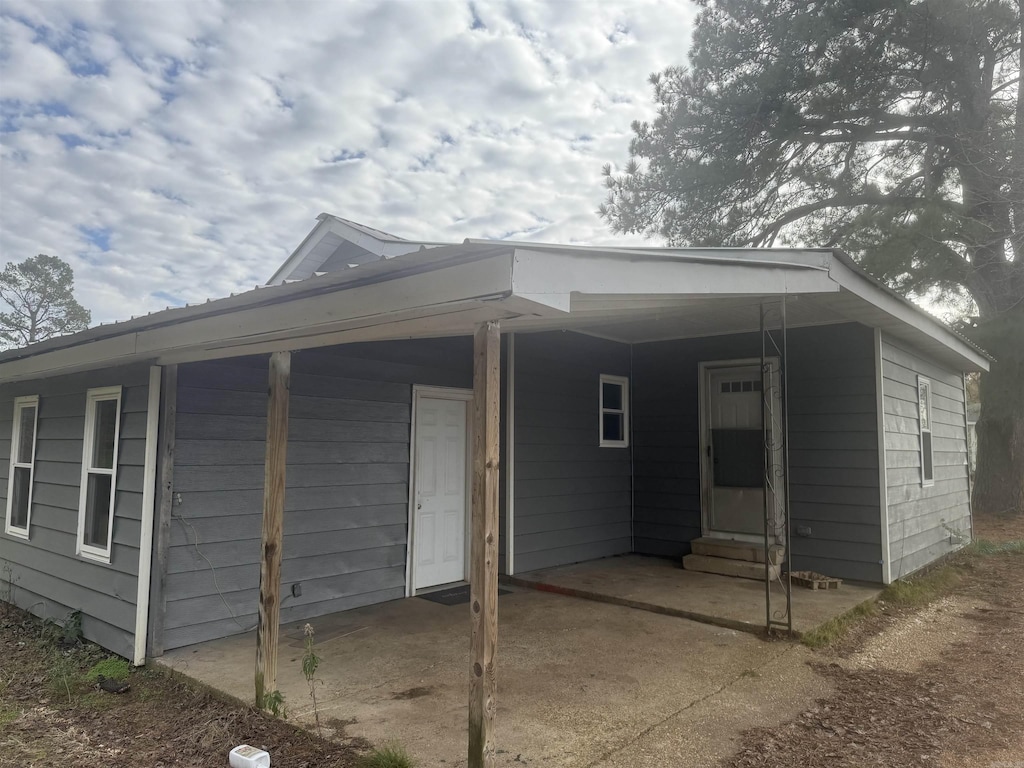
(346, 504)
(833, 445)
(572, 497)
(49, 579)
(923, 519)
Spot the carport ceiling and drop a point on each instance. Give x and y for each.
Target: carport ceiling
(691, 318)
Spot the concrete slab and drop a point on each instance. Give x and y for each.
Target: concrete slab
(664, 586)
(580, 683)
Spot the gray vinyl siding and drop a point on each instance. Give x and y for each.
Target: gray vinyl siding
(833, 446)
(346, 503)
(48, 578)
(925, 522)
(572, 497)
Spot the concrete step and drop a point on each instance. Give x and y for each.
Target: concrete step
(744, 569)
(731, 550)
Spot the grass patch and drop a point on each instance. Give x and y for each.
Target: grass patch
(922, 589)
(984, 548)
(8, 714)
(388, 756)
(835, 629)
(111, 668)
(913, 592)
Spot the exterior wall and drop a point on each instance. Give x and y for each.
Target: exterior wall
(572, 497)
(46, 576)
(925, 522)
(834, 487)
(346, 504)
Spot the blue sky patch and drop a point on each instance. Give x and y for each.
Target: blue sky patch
(169, 299)
(98, 236)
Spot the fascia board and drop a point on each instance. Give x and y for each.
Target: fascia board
(375, 299)
(536, 273)
(309, 242)
(908, 315)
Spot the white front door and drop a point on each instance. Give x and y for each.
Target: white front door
(734, 452)
(439, 492)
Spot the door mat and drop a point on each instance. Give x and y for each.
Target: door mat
(454, 596)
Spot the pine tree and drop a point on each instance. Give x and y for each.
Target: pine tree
(891, 129)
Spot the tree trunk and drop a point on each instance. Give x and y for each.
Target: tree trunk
(999, 486)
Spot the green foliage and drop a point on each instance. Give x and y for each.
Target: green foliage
(62, 674)
(387, 756)
(887, 128)
(273, 702)
(8, 714)
(834, 629)
(72, 630)
(913, 592)
(40, 294)
(983, 547)
(310, 663)
(112, 667)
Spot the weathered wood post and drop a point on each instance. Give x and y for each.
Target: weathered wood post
(483, 595)
(273, 525)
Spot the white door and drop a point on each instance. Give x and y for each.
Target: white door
(439, 493)
(734, 452)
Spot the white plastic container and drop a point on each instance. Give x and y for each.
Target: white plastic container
(244, 756)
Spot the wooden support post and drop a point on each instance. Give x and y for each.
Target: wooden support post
(483, 598)
(165, 505)
(273, 525)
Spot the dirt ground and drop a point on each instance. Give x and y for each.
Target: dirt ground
(50, 715)
(940, 685)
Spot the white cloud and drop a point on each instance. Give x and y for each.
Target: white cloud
(177, 151)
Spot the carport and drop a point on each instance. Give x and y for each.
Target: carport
(582, 683)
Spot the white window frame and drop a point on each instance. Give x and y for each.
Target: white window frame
(622, 381)
(922, 429)
(94, 396)
(19, 404)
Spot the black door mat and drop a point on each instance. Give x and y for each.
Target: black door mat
(454, 596)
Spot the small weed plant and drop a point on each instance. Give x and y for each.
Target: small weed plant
(387, 756)
(310, 663)
(273, 702)
(62, 674)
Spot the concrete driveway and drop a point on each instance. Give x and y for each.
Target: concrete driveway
(580, 683)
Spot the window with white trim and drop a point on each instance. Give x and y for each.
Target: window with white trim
(924, 415)
(614, 411)
(99, 472)
(22, 470)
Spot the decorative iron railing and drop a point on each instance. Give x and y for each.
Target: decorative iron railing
(775, 429)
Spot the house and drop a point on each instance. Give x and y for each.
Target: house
(639, 388)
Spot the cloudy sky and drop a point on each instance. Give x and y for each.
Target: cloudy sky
(173, 151)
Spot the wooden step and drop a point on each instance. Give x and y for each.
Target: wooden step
(744, 569)
(730, 549)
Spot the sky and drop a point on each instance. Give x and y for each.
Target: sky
(174, 151)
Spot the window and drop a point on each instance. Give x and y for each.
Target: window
(99, 472)
(614, 411)
(924, 411)
(23, 459)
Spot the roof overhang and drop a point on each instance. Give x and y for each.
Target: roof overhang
(448, 290)
(330, 235)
